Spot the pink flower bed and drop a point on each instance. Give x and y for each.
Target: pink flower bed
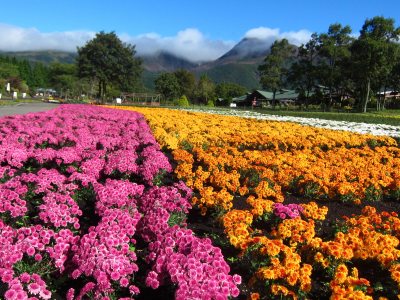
(82, 212)
(290, 211)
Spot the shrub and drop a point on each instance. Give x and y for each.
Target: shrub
(210, 103)
(182, 101)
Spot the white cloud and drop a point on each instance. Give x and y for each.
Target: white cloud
(14, 38)
(271, 34)
(262, 33)
(297, 37)
(189, 43)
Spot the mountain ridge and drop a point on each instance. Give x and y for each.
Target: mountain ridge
(238, 65)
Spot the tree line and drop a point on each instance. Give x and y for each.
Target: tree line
(336, 67)
(26, 77)
(21, 75)
(104, 68)
(183, 84)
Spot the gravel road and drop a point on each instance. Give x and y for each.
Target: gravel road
(23, 108)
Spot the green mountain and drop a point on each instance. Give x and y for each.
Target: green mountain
(46, 57)
(240, 73)
(148, 78)
(238, 65)
(165, 62)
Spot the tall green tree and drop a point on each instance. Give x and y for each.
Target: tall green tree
(334, 48)
(229, 90)
(187, 82)
(303, 73)
(205, 89)
(394, 80)
(62, 77)
(373, 55)
(274, 70)
(26, 72)
(168, 86)
(107, 60)
(7, 69)
(40, 74)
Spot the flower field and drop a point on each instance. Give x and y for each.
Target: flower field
(89, 210)
(272, 196)
(359, 127)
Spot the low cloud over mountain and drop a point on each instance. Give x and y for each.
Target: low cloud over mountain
(13, 38)
(190, 44)
(269, 35)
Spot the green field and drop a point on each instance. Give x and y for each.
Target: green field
(388, 117)
(14, 102)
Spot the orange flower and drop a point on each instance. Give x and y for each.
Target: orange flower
(254, 296)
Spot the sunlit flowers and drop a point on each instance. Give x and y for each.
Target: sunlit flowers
(83, 193)
(248, 173)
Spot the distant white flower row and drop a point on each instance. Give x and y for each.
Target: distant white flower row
(375, 129)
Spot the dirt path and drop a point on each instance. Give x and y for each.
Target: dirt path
(23, 108)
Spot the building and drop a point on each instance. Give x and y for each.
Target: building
(260, 98)
(389, 94)
(45, 92)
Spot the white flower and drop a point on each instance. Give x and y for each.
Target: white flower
(374, 129)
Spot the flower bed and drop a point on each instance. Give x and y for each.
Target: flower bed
(247, 174)
(87, 210)
(359, 127)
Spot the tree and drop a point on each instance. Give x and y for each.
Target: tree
(303, 73)
(186, 81)
(40, 73)
(26, 73)
(17, 84)
(373, 56)
(168, 86)
(229, 90)
(62, 77)
(334, 48)
(394, 80)
(274, 70)
(107, 60)
(182, 101)
(205, 89)
(23, 75)
(8, 69)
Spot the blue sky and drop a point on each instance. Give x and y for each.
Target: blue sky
(205, 26)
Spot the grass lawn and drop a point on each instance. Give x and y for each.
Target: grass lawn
(389, 117)
(14, 102)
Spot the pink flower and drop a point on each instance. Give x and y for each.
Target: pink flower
(134, 289)
(124, 282)
(34, 288)
(237, 279)
(45, 294)
(115, 276)
(25, 277)
(10, 294)
(6, 277)
(70, 294)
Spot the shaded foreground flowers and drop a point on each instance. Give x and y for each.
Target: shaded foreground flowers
(242, 171)
(86, 211)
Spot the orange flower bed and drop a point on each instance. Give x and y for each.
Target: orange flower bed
(240, 168)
